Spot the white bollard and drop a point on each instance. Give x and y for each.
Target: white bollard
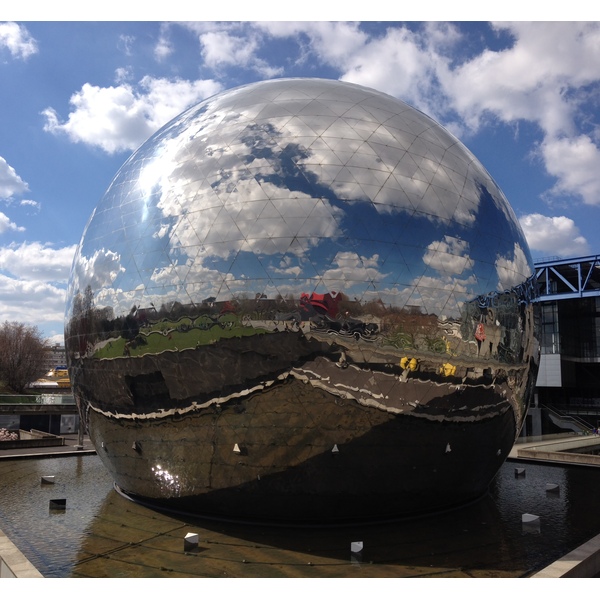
(190, 542)
(530, 523)
(58, 504)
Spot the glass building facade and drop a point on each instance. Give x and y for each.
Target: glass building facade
(570, 342)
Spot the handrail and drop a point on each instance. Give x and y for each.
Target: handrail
(570, 418)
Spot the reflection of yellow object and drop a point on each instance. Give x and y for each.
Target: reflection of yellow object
(408, 363)
(447, 369)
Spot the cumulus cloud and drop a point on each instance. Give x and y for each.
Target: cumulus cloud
(449, 255)
(31, 204)
(232, 44)
(574, 162)
(31, 301)
(33, 279)
(98, 270)
(120, 118)
(10, 183)
(544, 77)
(286, 267)
(7, 225)
(513, 270)
(125, 43)
(17, 40)
(554, 235)
(221, 48)
(37, 262)
(438, 295)
(164, 47)
(352, 273)
(531, 78)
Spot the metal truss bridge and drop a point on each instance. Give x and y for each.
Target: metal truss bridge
(567, 278)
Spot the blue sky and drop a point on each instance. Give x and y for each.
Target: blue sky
(78, 98)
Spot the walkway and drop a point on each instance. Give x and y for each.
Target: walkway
(560, 450)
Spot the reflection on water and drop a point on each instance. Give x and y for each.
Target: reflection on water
(101, 534)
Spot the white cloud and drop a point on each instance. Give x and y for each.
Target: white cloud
(37, 262)
(545, 78)
(125, 43)
(17, 40)
(398, 65)
(220, 48)
(512, 271)
(123, 74)
(554, 235)
(352, 272)
(292, 221)
(574, 162)
(33, 279)
(98, 270)
(35, 302)
(448, 256)
(437, 295)
(120, 118)
(7, 225)
(530, 79)
(223, 49)
(10, 183)
(31, 204)
(164, 47)
(286, 267)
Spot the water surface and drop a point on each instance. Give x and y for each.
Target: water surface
(102, 534)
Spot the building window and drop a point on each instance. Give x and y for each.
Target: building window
(550, 342)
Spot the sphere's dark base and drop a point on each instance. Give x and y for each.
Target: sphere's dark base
(169, 508)
(396, 466)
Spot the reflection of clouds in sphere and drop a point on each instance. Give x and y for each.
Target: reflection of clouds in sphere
(448, 256)
(510, 271)
(352, 269)
(292, 266)
(240, 185)
(98, 270)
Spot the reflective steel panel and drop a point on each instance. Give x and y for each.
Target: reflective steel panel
(305, 300)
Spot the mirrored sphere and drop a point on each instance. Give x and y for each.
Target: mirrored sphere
(302, 300)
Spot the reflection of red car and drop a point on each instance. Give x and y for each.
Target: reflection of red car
(323, 311)
(321, 304)
(227, 308)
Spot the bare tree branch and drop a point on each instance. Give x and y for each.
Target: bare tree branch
(22, 353)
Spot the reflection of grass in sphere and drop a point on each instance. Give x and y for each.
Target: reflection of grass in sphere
(159, 338)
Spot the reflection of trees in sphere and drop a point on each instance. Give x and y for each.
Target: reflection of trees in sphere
(303, 300)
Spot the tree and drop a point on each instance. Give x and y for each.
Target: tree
(22, 353)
